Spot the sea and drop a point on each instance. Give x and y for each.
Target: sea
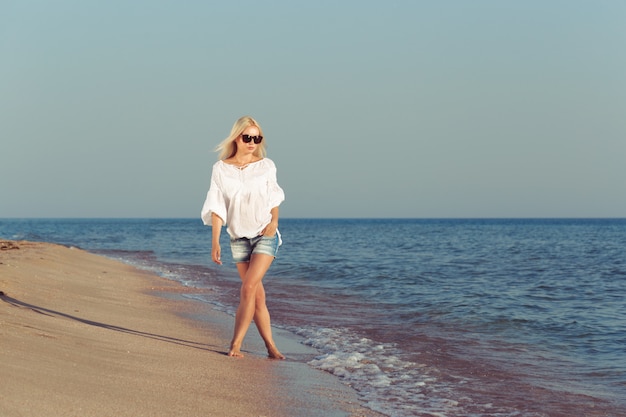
(421, 317)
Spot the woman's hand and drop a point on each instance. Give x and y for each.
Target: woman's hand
(216, 250)
(270, 229)
(216, 253)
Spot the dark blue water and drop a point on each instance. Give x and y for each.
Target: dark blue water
(421, 317)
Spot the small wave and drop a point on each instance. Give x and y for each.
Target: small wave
(212, 301)
(387, 383)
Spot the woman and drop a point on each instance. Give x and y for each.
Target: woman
(245, 195)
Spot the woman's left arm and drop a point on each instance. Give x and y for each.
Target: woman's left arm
(270, 229)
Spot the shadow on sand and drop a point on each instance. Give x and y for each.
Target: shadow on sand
(52, 313)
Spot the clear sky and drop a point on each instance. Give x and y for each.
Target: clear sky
(370, 108)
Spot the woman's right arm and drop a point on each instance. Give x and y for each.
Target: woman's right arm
(216, 250)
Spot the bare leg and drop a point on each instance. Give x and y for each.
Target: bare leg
(252, 305)
(262, 321)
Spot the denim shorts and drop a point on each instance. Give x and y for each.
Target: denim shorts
(243, 248)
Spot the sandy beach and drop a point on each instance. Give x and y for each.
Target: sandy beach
(84, 335)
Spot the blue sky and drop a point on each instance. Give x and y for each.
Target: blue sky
(370, 108)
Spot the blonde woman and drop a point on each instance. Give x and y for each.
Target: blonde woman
(244, 195)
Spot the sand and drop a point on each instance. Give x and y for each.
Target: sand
(84, 335)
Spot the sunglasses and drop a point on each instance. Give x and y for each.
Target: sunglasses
(248, 138)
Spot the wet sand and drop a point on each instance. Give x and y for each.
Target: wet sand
(84, 335)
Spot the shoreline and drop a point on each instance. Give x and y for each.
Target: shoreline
(86, 335)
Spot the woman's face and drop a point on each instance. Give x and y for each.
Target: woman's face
(249, 147)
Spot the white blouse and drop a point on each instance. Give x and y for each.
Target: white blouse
(243, 197)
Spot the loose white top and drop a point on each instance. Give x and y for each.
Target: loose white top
(243, 197)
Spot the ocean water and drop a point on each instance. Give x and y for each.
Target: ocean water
(517, 317)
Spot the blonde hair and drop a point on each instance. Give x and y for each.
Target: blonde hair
(228, 148)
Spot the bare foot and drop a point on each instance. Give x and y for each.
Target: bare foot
(273, 353)
(235, 353)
